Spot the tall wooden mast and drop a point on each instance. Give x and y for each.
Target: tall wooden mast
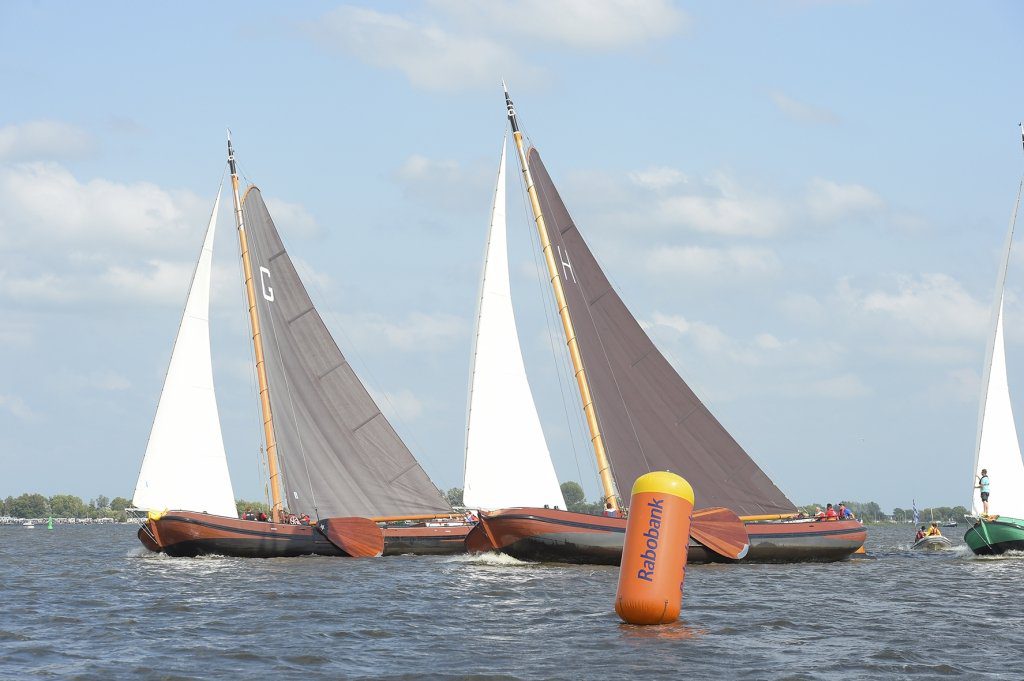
(257, 343)
(603, 466)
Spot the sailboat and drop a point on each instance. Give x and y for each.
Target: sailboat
(642, 417)
(997, 452)
(331, 454)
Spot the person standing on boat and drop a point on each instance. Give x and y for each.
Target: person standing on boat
(830, 513)
(983, 485)
(610, 512)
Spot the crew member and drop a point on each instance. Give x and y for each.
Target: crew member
(983, 486)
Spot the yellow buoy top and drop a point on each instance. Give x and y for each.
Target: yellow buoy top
(664, 482)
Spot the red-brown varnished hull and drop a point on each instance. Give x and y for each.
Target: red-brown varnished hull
(566, 537)
(425, 540)
(186, 533)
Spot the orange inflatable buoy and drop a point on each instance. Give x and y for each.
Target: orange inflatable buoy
(654, 554)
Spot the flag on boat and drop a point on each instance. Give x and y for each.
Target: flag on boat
(917, 516)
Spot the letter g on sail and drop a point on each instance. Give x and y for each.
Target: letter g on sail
(268, 290)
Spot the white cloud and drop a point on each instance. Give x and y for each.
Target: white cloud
(963, 384)
(464, 45)
(592, 25)
(803, 307)
(107, 381)
(935, 306)
(17, 407)
(723, 209)
(401, 405)
(445, 183)
(829, 201)
(658, 178)
(429, 56)
(99, 240)
(764, 349)
(704, 263)
(15, 333)
(801, 112)
(844, 386)
(44, 204)
(418, 332)
(37, 140)
(292, 218)
(664, 198)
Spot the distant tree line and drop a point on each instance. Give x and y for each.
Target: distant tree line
(35, 505)
(572, 492)
(69, 506)
(926, 515)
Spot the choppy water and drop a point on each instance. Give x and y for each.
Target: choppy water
(85, 602)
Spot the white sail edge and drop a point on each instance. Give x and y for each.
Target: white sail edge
(507, 458)
(185, 466)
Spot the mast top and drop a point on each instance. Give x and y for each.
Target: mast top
(511, 108)
(231, 155)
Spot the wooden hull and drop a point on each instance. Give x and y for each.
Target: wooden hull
(186, 533)
(564, 537)
(425, 540)
(995, 537)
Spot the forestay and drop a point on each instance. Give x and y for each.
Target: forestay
(649, 418)
(507, 458)
(185, 467)
(338, 454)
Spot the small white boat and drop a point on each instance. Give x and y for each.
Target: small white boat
(936, 542)
(28, 524)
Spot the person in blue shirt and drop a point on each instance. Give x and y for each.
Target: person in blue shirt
(983, 485)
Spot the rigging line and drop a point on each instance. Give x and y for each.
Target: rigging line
(547, 304)
(288, 390)
(586, 304)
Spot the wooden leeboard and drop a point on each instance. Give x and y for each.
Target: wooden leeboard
(358, 537)
(720, 530)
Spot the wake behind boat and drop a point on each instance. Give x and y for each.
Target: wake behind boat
(331, 453)
(641, 416)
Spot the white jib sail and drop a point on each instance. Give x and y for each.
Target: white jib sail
(185, 467)
(998, 446)
(998, 449)
(507, 459)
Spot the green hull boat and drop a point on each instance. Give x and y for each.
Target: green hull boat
(996, 536)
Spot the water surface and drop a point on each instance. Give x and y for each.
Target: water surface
(88, 602)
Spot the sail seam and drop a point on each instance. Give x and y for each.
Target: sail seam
(366, 421)
(301, 314)
(330, 371)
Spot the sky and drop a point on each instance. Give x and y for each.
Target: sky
(803, 202)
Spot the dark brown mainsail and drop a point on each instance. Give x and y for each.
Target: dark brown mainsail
(339, 455)
(649, 418)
